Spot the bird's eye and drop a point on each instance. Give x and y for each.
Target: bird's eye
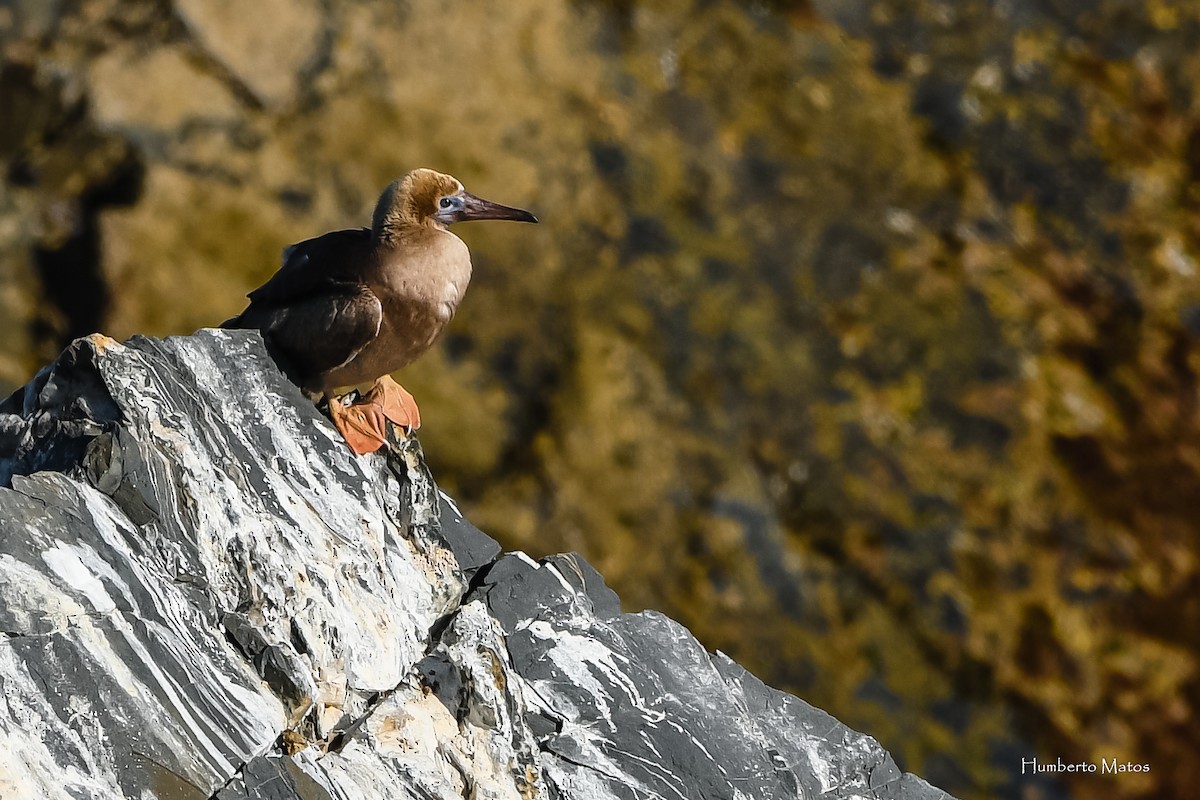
(446, 202)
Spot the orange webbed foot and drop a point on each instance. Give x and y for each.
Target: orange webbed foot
(396, 403)
(363, 423)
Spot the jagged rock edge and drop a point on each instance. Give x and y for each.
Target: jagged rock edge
(581, 584)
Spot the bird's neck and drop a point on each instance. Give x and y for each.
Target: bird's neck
(397, 217)
(400, 231)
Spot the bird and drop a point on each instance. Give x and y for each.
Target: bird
(352, 306)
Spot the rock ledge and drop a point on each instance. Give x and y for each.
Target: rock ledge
(203, 593)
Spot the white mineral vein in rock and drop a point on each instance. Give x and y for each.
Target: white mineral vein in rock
(64, 562)
(119, 679)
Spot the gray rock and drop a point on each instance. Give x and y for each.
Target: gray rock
(203, 593)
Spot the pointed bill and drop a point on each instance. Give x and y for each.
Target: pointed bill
(478, 208)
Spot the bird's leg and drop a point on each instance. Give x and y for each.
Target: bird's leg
(363, 423)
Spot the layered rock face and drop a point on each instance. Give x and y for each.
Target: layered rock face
(203, 593)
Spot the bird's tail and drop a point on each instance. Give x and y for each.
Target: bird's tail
(232, 322)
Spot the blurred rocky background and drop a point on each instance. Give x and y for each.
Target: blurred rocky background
(861, 336)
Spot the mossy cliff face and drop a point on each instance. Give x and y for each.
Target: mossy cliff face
(877, 319)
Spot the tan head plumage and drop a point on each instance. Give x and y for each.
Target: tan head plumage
(412, 200)
(424, 199)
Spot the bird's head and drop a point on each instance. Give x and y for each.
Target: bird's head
(424, 197)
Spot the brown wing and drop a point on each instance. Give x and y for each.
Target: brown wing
(316, 265)
(313, 313)
(319, 334)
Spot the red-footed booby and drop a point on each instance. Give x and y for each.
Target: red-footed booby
(355, 305)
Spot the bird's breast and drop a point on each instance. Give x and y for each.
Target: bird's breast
(419, 288)
(452, 294)
(434, 271)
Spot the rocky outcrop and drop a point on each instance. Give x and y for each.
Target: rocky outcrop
(203, 593)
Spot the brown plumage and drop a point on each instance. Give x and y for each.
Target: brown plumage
(355, 305)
